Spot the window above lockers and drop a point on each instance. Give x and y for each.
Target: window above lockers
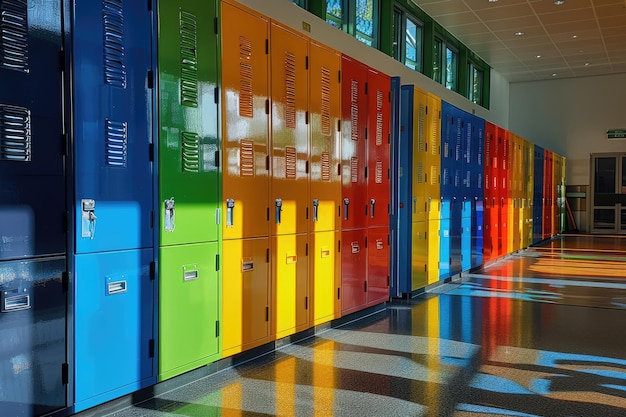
(445, 63)
(360, 18)
(476, 80)
(302, 3)
(408, 35)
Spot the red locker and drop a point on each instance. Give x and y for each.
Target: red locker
(353, 270)
(488, 212)
(377, 265)
(503, 233)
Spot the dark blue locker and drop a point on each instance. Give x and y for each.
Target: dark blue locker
(538, 195)
(466, 196)
(454, 164)
(404, 173)
(466, 233)
(394, 215)
(447, 188)
(112, 125)
(477, 194)
(113, 325)
(33, 306)
(32, 144)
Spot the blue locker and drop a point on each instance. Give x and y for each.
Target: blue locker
(32, 145)
(448, 176)
(538, 195)
(112, 125)
(467, 213)
(32, 336)
(477, 194)
(398, 194)
(113, 325)
(452, 165)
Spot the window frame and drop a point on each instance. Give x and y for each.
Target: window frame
(473, 69)
(400, 38)
(348, 21)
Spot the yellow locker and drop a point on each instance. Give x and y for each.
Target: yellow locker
(420, 155)
(245, 294)
(432, 237)
(511, 203)
(290, 131)
(419, 256)
(290, 284)
(433, 149)
(325, 116)
(245, 122)
(325, 273)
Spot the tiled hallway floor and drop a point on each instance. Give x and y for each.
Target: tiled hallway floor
(540, 333)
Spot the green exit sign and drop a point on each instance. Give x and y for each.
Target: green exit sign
(616, 134)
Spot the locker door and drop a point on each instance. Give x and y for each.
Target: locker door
(478, 191)
(432, 239)
(325, 276)
(354, 107)
(377, 265)
(353, 270)
(419, 260)
(407, 203)
(502, 199)
(433, 150)
(447, 188)
(32, 142)
(325, 119)
(456, 206)
(112, 125)
(378, 138)
(245, 122)
(488, 217)
(189, 179)
(419, 204)
(538, 194)
(289, 204)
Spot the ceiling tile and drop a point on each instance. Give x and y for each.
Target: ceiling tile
(572, 28)
(480, 38)
(548, 6)
(484, 4)
(514, 24)
(456, 19)
(443, 7)
(471, 29)
(566, 16)
(612, 10)
(612, 31)
(501, 13)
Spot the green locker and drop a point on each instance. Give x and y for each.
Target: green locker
(190, 294)
(189, 176)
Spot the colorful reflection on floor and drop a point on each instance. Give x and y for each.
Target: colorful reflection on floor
(537, 334)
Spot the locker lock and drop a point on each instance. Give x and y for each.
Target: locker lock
(279, 208)
(372, 205)
(230, 207)
(316, 204)
(88, 218)
(169, 218)
(346, 203)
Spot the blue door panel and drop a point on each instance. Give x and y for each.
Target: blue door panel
(405, 181)
(396, 195)
(112, 125)
(113, 325)
(466, 235)
(477, 233)
(32, 337)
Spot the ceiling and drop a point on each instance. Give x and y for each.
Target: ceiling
(527, 40)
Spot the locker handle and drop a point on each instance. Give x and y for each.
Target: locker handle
(230, 208)
(414, 204)
(346, 203)
(169, 206)
(316, 204)
(372, 206)
(16, 303)
(88, 218)
(116, 287)
(278, 209)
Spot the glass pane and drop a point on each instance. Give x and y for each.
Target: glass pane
(334, 13)
(413, 39)
(437, 60)
(605, 175)
(397, 34)
(301, 3)
(476, 84)
(451, 69)
(604, 218)
(365, 21)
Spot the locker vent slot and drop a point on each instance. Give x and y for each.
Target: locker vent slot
(457, 178)
(446, 176)
(379, 172)
(354, 169)
(15, 139)
(434, 133)
(379, 118)
(290, 90)
(420, 172)
(325, 166)
(246, 158)
(114, 54)
(190, 144)
(446, 150)
(420, 128)
(245, 77)
(14, 35)
(325, 110)
(189, 59)
(116, 138)
(354, 110)
(434, 171)
(290, 162)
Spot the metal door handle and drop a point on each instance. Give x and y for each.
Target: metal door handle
(169, 206)
(316, 204)
(230, 207)
(346, 203)
(278, 209)
(372, 205)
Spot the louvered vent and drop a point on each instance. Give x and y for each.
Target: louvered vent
(15, 136)
(354, 109)
(290, 162)
(379, 172)
(114, 53)
(487, 187)
(190, 145)
(434, 173)
(325, 101)
(116, 139)
(325, 166)
(446, 150)
(14, 35)
(457, 178)
(245, 77)
(354, 169)
(290, 90)
(420, 127)
(379, 118)
(434, 133)
(446, 176)
(188, 59)
(246, 158)
(420, 172)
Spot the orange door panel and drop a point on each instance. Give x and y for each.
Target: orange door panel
(245, 122)
(325, 118)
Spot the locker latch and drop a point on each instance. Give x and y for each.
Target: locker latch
(372, 205)
(279, 208)
(230, 207)
(316, 204)
(88, 228)
(414, 204)
(169, 215)
(346, 203)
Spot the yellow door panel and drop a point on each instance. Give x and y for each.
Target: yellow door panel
(325, 276)
(419, 258)
(433, 193)
(421, 170)
(433, 251)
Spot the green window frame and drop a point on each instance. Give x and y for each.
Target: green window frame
(445, 64)
(359, 18)
(302, 3)
(476, 81)
(408, 40)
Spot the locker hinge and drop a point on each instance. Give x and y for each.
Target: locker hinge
(268, 214)
(365, 286)
(339, 169)
(388, 208)
(267, 255)
(151, 348)
(306, 167)
(366, 240)
(339, 246)
(267, 46)
(338, 125)
(217, 329)
(267, 313)
(389, 96)
(425, 268)
(426, 235)
(65, 373)
(306, 118)
(388, 280)
(61, 60)
(307, 249)
(307, 213)
(64, 144)
(366, 134)
(267, 106)
(267, 162)
(306, 62)
(151, 152)
(216, 26)
(65, 281)
(152, 271)
(388, 240)
(217, 159)
(217, 261)
(388, 173)
(427, 110)
(306, 303)
(216, 95)
(150, 79)
(388, 137)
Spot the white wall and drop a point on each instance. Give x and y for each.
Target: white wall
(293, 16)
(571, 117)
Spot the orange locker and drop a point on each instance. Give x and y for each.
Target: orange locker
(245, 123)
(290, 131)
